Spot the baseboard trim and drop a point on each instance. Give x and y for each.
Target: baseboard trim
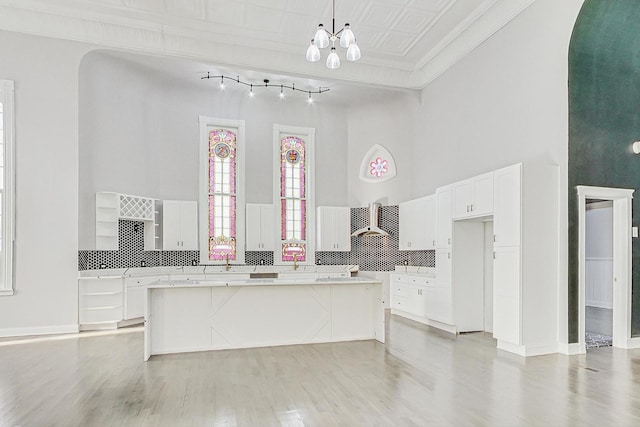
(528, 350)
(425, 321)
(39, 330)
(633, 343)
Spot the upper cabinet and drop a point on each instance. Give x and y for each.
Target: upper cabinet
(418, 224)
(333, 229)
(180, 225)
(507, 206)
(259, 225)
(473, 197)
(443, 217)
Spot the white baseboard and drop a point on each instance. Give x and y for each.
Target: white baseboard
(633, 343)
(39, 330)
(425, 321)
(529, 350)
(571, 349)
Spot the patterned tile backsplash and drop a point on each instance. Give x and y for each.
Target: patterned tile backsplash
(371, 253)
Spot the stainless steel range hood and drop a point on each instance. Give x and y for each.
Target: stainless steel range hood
(372, 229)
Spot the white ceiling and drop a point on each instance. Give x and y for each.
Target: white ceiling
(404, 43)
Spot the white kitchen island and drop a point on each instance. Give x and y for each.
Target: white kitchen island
(184, 316)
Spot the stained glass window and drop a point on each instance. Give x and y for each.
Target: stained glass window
(222, 195)
(293, 194)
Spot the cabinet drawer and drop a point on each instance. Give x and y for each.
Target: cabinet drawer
(398, 278)
(422, 281)
(100, 315)
(400, 303)
(143, 281)
(400, 289)
(98, 286)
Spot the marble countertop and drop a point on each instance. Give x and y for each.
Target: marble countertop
(413, 270)
(263, 282)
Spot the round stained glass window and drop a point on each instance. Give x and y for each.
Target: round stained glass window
(293, 156)
(222, 150)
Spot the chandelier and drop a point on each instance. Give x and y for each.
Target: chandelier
(323, 37)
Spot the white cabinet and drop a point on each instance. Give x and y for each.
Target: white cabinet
(333, 229)
(473, 197)
(410, 294)
(259, 227)
(506, 295)
(442, 309)
(100, 301)
(135, 290)
(507, 206)
(443, 217)
(417, 229)
(179, 225)
(525, 267)
(111, 207)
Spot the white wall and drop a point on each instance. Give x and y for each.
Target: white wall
(139, 132)
(46, 259)
(506, 102)
(390, 123)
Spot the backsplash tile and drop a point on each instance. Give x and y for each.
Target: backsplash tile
(371, 253)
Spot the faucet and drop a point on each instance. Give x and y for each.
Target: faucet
(295, 262)
(227, 266)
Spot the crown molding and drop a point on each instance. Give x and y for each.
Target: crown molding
(90, 24)
(490, 18)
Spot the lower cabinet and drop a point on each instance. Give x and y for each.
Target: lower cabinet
(135, 289)
(100, 302)
(411, 294)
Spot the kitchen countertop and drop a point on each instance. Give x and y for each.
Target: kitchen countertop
(263, 282)
(414, 270)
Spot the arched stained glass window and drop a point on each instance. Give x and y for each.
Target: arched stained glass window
(293, 198)
(222, 195)
(221, 191)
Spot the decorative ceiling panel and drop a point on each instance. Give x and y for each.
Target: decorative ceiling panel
(398, 38)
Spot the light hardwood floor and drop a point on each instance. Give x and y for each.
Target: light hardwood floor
(420, 377)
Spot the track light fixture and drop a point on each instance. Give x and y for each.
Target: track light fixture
(266, 83)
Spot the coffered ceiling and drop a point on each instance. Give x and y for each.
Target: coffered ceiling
(404, 43)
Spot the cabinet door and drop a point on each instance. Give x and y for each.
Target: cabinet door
(482, 195)
(134, 302)
(462, 194)
(253, 227)
(188, 226)
(342, 229)
(266, 228)
(507, 206)
(429, 221)
(171, 225)
(443, 217)
(506, 295)
(443, 298)
(407, 216)
(325, 234)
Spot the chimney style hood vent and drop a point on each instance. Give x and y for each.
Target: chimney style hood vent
(372, 229)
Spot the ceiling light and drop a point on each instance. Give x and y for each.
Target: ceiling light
(266, 83)
(323, 37)
(636, 147)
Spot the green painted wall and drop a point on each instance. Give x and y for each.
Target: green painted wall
(604, 119)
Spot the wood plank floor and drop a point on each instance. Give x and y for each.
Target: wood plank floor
(419, 377)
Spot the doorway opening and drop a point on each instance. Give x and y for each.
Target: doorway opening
(473, 275)
(620, 267)
(598, 273)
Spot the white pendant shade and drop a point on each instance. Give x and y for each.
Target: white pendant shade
(321, 38)
(347, 37)
(353, 53)
(333, 60)
(313, 53)
(325, 38)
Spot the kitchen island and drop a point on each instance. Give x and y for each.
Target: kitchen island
(184, 316)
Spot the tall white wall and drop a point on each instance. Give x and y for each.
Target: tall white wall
(506, 102)
(45, 72)
(390, 123)
(139, 133)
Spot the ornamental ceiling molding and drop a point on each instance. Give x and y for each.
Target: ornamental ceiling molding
(64, 20)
